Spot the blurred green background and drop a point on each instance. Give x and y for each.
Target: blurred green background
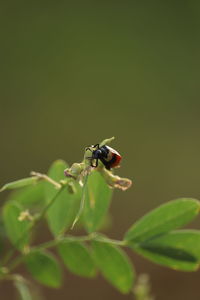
(76, 72)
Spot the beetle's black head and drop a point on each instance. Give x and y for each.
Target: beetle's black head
(96, 154)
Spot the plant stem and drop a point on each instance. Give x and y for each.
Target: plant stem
(109, 241)
(68, 238)
(46, 208)
(47, 178)
(82, 202)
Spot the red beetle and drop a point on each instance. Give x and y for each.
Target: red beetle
(107, 155)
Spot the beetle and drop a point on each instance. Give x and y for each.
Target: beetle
(107, 155)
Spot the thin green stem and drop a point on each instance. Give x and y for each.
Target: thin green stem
(19, 259)
(109, 241)
(68, 238)
(43, 213)
(46, 178)
(82, 202)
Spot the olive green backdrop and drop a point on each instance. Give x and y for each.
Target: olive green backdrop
(76, 72)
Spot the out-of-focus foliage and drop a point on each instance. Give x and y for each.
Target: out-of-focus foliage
(152, 236)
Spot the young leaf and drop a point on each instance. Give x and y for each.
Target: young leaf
(62, 213)
(17, 230)
(107, 141)
(179, 250)
(44, 268)
(166, 217)
(19, 183)
(77, 258)
(97, 201)
(114, 265)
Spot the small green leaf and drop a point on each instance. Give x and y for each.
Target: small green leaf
(114, 265)
(107, 141)
(77, 258)
(29, 196)
(97, 201)
(62, 213)
(17, 231)
(179, 250)
(166, 217)
(23, 289)
(19, 183)
(44, 268)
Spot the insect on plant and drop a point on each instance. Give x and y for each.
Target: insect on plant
(108, 156)
(110, 159)
(84, 194)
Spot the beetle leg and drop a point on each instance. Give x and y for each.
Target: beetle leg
(91, 159)
(88, 148)
(96, 146)
(97, 161)
(96, 164)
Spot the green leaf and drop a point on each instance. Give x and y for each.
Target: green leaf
(97, 201)
(17, 231)
(62, 213)
(44, 268)
(179, 250)
(22, 288)
(107, 141)
(77, 258)
(166, 217)
(114, 265)
(29, 196)
(19, 183)
(2, 236)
